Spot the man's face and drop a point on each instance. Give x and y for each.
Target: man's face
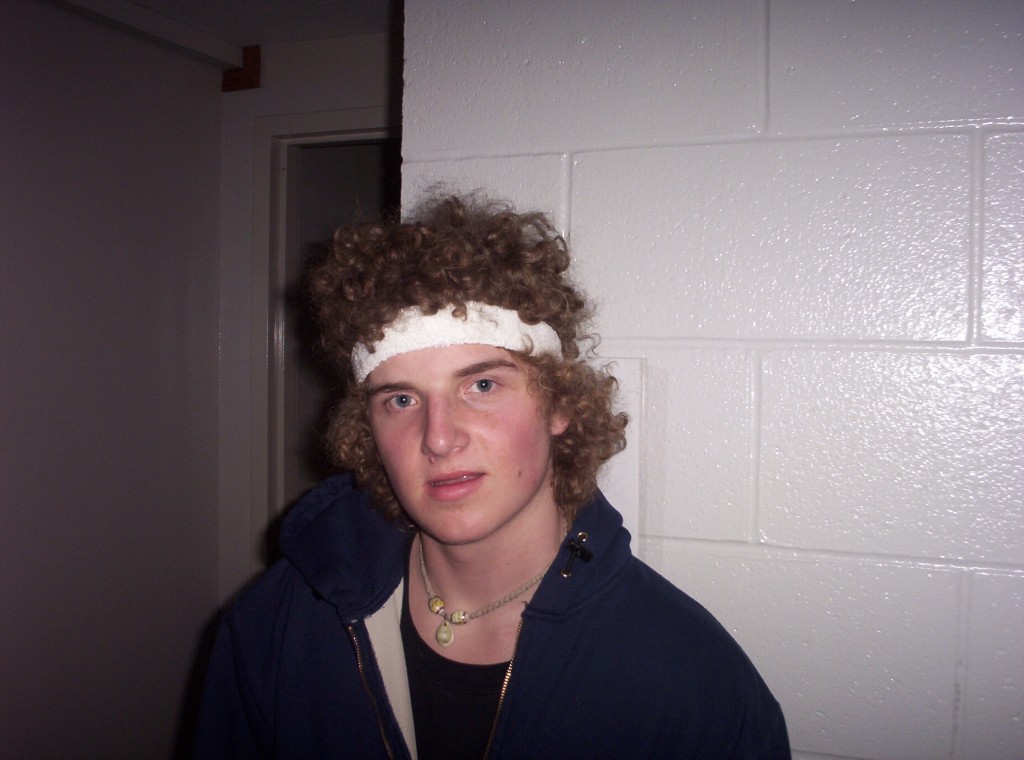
(463, 441)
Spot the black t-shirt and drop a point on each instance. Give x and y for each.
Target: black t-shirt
(453, 704)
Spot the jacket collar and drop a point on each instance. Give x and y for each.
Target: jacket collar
(344, 548)
(598, 559)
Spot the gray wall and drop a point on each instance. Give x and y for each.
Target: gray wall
(109, 219)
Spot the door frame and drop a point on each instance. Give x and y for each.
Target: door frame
(273, 136)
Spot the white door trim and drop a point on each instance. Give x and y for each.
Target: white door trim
(273, 135)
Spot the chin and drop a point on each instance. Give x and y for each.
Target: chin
(456, 532)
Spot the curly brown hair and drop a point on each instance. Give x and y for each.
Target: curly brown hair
(454, 250)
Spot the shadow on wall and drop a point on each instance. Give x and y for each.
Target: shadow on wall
(188, 712)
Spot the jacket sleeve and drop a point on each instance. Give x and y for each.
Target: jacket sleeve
(230, 724)
(761, 732)
(776, 743)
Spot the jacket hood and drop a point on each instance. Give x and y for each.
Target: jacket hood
(344, 548)
(354, 558)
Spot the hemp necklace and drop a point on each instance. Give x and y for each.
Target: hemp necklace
(444, 635)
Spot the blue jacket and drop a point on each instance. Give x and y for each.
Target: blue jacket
(611, 662)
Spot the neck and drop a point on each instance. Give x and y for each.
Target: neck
(474, 575)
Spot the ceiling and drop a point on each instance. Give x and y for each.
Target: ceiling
(259, 22)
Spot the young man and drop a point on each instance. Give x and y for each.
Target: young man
(466, 591)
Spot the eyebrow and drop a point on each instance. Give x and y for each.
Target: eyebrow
(487, 366)
(467, 371)
(389, 388)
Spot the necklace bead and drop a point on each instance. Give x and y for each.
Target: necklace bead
(445, 634)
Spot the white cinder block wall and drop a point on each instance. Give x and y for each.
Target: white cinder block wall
(805, 217)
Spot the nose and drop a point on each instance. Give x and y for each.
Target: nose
(443, 430)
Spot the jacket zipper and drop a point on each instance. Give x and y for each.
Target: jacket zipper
(369, 692)
(504, 688)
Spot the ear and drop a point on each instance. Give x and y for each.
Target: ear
(559, 422)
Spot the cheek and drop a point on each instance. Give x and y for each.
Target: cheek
(398, 465)
(529, 446)
(388, 443)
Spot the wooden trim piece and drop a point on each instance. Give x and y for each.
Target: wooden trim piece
(247, 77)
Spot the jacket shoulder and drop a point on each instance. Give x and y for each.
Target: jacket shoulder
(703, 697)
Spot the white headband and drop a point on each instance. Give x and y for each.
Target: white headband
(483, 323)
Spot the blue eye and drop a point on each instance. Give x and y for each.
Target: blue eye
(484, 386)
(402, 400)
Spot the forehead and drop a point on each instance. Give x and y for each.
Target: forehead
(440, 363)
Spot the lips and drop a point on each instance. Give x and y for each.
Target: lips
(450, 479)
(454, 486)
